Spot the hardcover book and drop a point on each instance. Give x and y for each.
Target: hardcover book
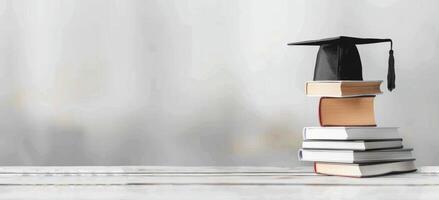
(364, 170)
(355, 156)
(351, 111)
(342, 88)
(361, 145)
(350, 133)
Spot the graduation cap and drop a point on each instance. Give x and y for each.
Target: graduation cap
(338, 59)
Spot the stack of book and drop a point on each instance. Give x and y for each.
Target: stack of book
(348, 141)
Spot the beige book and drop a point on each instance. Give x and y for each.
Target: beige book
(342, 88)
(351, 111)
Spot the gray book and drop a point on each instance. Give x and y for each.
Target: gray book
(355, 156)
(350, 133)
(364, 170)
(353, 144)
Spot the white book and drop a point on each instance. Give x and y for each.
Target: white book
(350, 133)
(354, 156)
(352, 145)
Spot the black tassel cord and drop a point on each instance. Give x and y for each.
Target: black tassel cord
(391, 71)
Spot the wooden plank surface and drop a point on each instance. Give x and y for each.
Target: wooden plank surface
(134, 182)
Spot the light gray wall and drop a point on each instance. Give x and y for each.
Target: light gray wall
(196, 82)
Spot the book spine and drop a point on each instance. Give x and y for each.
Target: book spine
(337, 125)
(315, 168)
(320, 111)
(306, 88)
(304, 134)
(299, 154)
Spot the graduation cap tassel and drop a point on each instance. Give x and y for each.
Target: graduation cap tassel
(391, 70)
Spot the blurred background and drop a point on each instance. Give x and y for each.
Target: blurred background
(197, 82)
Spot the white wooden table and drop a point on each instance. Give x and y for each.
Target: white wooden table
(208, 183)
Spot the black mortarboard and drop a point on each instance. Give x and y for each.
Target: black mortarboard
(338, 59)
